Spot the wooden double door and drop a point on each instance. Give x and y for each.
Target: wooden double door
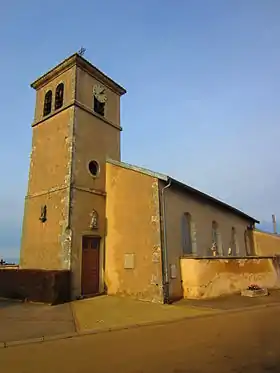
(90, 265)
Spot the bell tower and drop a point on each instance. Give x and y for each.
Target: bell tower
(76, 128)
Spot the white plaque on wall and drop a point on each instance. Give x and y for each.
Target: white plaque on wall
(173, 271)
(129, 261)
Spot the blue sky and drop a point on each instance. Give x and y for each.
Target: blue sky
(203, 91)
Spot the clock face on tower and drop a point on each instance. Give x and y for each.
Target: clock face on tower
(99, 93)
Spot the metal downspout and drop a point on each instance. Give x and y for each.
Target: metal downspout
(165, 256)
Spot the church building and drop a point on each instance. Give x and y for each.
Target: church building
(118, 228)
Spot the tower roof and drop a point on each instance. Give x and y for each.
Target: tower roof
(84, 64)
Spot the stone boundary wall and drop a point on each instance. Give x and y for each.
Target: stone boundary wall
(266, 243)
(209, 278)
(46, 286)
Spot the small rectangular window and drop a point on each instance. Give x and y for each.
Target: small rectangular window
(99, 107)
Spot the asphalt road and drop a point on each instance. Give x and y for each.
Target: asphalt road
(233, 342)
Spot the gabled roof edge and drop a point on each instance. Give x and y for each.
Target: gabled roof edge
(183, 186)
(212, 199)
(138, 169)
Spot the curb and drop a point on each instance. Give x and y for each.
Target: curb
(15, 300)
(131, 326)
(75, 319)
(12, 300)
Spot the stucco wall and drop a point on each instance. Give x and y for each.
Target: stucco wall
(42, 245)
(63, 144)
(95, 139)
(207, 278)
(49, 163)
(46, 245)
(266, 243)
(133, 227)
(177, 203)
(83, 203)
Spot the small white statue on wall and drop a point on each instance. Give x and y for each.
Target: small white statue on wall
(214, 249)
(94, 220)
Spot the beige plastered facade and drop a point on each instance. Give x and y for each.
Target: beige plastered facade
(139, 211)
(203, 214)
(133, 219)
(266, 243)
(63, 144)
(152, 206)
(210, 278)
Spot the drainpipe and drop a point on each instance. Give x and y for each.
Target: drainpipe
(164, 246)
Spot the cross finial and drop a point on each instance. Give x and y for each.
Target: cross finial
(82, 51)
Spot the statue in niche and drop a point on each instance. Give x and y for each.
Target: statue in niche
(43, 216)
(214, 249)
(94, 220)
